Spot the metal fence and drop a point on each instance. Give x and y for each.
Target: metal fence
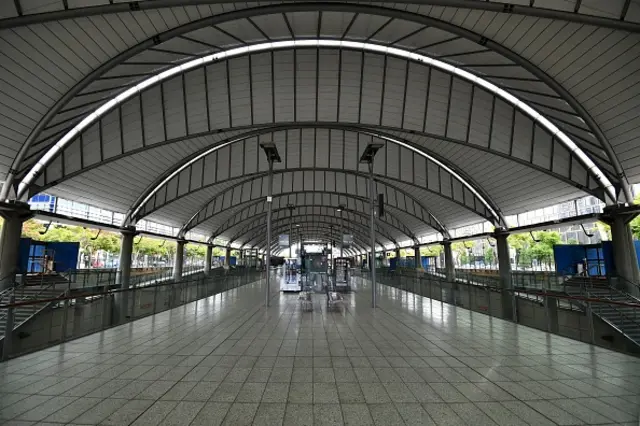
(540, 304)
(81, 312)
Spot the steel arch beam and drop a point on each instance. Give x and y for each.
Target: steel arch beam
(250, 203)
(260, 240)
(489, 6)
(292, 7)
(325, 218)
(322, 229)
(227, 227)
(261, 129)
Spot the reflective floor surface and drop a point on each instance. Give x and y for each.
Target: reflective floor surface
(227, 360)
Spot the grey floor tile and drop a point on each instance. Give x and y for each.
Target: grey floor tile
(128, 413)
(350, 393)
(276, 392)
(47, 408)
(399, 392)
(325, 393)
(586, 415)
(447, 392)
(356, 415)
(301, 393)
(414, 414)
(201, 391)
(211, 414)
(553, 412)
(178, 391)
(251, 392)
(500, 414)
(73, 410)
(100, 411)
(299, 415)
(22, 406)
(183, 413)
(385, 414)
(269, 414)
(442, 414)
(156, 389)
(240, 414)
(226, 392)
(375, 393)
(327, 415)
(471, 414)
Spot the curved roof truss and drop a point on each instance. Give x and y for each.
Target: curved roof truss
(557, 135)
(246, 219)
(401, 208)
(355, 224)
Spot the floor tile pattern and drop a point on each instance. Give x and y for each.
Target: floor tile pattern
(227, 360)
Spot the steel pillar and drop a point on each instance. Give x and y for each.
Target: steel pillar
(207, 260)
(450, 267)
(269, 208)
(416, 257)
(14, 215)
(123, 276)
(372, 224)
(624, 252)
(227, 256)
(504, 264)
(177, 266)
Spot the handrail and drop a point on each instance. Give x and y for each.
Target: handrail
(90, 294)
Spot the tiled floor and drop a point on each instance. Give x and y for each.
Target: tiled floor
(226, 360)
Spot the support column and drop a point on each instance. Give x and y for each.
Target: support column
(124, 272)
(416, 257)
(207, 260)
(449, 266)
(177, 266)
(227, 256)
(551, 305)
(14, 215)
(504, 264)
(624, 252)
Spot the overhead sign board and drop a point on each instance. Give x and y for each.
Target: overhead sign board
(347, 240)
(283, 240)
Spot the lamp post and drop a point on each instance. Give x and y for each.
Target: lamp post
(291, 207)
(367, 157)
(340, 210)
(271, 152)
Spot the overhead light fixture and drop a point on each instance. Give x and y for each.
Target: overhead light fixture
(370, 152)
(271, 151)
(341, 207)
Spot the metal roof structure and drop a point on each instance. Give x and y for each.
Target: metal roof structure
(157, 109)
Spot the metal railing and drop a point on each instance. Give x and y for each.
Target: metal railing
(533, 306)
(80, 312)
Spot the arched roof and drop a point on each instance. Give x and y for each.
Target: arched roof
(549, 112)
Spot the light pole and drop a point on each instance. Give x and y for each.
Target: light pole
(340, 210)
(367, 157)
(271, 152)
(291, 207)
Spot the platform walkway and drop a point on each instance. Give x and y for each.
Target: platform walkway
(227, 360)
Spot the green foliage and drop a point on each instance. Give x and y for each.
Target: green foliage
(489, 256)
(540, 250)
(460, 251)
(431, 251)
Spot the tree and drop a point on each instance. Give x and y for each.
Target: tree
(521, 243)
(489, 256)
(461, 251)
(431, 251)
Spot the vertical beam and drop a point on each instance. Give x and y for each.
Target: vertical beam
(177, 266)
(450, 268)
(227, 256)
(416, 257)
(504, 263)
(207, 260)
(624, 252)
(14, 217)
(124, 272)
(341, 233)
(268, 257)
(372, 264)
